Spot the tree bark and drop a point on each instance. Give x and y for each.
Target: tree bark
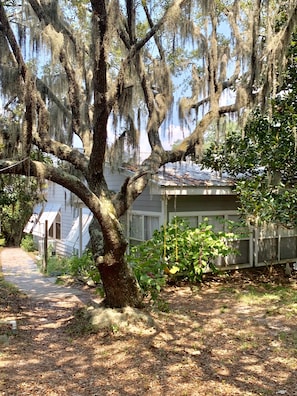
(119, 283)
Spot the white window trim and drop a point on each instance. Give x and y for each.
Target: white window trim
(203, 214)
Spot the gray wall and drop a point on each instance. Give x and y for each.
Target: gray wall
(196, 203)
(147, 202)
(114, 178)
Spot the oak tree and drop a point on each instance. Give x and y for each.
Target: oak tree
(77, 67)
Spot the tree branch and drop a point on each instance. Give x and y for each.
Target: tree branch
(62, 151)
(45, 171)
(44, 89)
(101, 109)
(49, 18)
(13, 42)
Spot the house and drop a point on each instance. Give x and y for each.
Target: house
(187, 191)
(64, 218)
(65, 223)
(181, 189)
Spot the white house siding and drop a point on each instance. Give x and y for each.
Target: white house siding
(57, 199)
(59, 194)
(114, 178)
(69, 211)
(50, 212)
(77, 239)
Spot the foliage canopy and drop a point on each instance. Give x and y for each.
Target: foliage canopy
(264, 155)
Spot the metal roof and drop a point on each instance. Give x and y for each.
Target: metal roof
(189, 174)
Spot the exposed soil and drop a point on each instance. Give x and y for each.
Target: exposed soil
(230, 336)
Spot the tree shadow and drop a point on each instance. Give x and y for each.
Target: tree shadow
(209, 343)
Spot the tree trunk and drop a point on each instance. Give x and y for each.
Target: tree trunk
(120, 285)
(13, 235)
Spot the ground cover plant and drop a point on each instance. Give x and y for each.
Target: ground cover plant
(233, 335)
(28, 244)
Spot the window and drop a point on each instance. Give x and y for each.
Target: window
(136, 227)
(142, 226)
(217, 219)
(55, 229)
(217, 222)
(151, 223)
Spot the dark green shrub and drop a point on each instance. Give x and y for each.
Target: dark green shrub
(57, 266)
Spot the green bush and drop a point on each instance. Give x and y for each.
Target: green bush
(57, 266)
(148, 265)
(28, 244)
(190, 252)
(85, 267)
(177, 251)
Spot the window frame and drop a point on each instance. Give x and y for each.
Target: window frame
(201, 215)
(55, 230)
(142, 215)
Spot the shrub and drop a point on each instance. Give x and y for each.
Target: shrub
(190, 252)
(28, 244)
(57, 266)
(84, 267)
(148, 265)
(177, 251)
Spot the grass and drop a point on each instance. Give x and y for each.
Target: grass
(7, 291)
(56, 266)
(288, 339)
(281, 299)
(276, 295)
(10, 299)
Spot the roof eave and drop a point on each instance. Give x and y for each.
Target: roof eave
(185, 190)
